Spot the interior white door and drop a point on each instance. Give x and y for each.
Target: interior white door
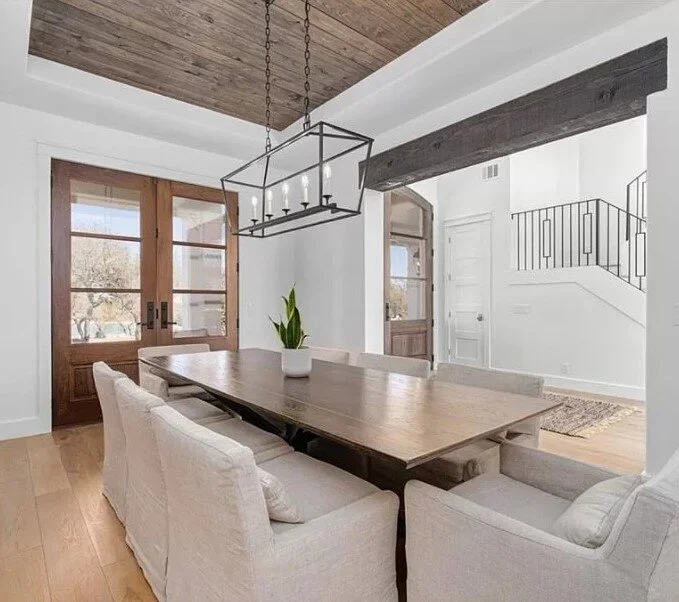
(468, 292)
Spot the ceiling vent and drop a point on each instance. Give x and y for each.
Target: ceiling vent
(490, 171)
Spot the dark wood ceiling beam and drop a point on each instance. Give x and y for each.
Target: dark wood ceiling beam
(605, 94)
(464, 6)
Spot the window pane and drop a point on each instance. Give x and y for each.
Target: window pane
(198, 221)
(407, 299)
(104, 317)
(407, 256)
(104, 209)
(102, 263)
(198, 268)
(407, 217)
(199, 315)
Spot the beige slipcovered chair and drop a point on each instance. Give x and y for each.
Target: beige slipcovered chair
(527, 432)
(392, 363)
(146, 499)
(225, 548)
(162, 386)
(325, 354)
(482, 456)
(115, 463)
(502, 537)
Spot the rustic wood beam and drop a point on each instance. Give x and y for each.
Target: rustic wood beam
(607, 93)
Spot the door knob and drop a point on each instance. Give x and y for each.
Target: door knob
(479, 317)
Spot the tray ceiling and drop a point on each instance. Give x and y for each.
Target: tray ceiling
(210, 53)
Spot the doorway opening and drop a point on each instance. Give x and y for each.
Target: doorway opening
(136, 262)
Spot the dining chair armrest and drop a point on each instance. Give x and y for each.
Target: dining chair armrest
(554, 474)
(154, 384)
(355, 543)
(456, 545)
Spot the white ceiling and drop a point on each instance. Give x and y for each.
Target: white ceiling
(495, 40)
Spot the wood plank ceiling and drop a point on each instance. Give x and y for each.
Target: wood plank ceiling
(210, 53)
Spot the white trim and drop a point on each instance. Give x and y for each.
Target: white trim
(23, 427)
(468, 219)
(591, 386)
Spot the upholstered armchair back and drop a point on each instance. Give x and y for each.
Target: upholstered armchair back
(219, 525)
(146, 496)
(146, 352)
(487, 378)
(645, 539)
(115, 462)
(391, 363)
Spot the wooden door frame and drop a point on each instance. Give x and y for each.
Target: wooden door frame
(60, 211)
(166, 190)
(486, 218)
(428, 226)
(60, 171)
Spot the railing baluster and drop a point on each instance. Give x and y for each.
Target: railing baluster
(618, 242)
(562, 235)
(539, 239)
(532, 240)
(525, 241)
(608, 237)
(579, 228)
(570, 235)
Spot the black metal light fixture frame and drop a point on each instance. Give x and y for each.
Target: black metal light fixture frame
(267, 225)
(262, 227)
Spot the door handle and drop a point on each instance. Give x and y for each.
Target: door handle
(479, 317)
(163, 315)
(150, 316)
(386, 312)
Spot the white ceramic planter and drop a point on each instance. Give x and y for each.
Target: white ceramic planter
(296, 363)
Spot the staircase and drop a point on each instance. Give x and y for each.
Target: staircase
(586, 233)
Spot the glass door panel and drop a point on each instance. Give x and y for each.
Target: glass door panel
(200, 277)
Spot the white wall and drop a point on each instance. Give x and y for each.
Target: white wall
(29, 140)
(596, 164)
(581, 328)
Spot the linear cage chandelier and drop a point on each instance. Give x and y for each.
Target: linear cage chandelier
(294, 185)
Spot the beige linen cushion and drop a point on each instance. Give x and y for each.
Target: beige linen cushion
(589, 519)
(279, 504)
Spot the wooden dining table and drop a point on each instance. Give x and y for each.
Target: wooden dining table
(406, 419)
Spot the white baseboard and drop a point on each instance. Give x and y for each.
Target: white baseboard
(23, 427)
(589, 386)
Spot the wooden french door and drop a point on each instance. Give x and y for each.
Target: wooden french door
(136, 262)
(408, 292)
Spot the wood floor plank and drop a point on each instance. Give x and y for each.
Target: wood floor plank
(82, 455)
(47, 471)
(23, 577)
(72, 565)
(127, 582)
(19, 530)
(13, 460)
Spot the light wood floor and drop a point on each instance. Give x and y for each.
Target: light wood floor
(61, 542)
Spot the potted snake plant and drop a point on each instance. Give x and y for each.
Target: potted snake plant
(295, 358)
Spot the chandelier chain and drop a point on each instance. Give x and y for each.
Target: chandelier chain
(307, 69)
(267, 46)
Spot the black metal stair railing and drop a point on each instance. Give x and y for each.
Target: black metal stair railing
(636, 200)
(582, 233)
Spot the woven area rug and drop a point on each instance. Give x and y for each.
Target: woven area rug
(580, 417)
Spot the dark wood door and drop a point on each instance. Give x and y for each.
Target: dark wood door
(408, 292)
(103, 280)
(119, 277)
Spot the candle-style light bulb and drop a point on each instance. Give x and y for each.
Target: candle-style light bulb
(269, 202)
(305, 188)
(327, 175)
(254, 207)
(286, 202)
